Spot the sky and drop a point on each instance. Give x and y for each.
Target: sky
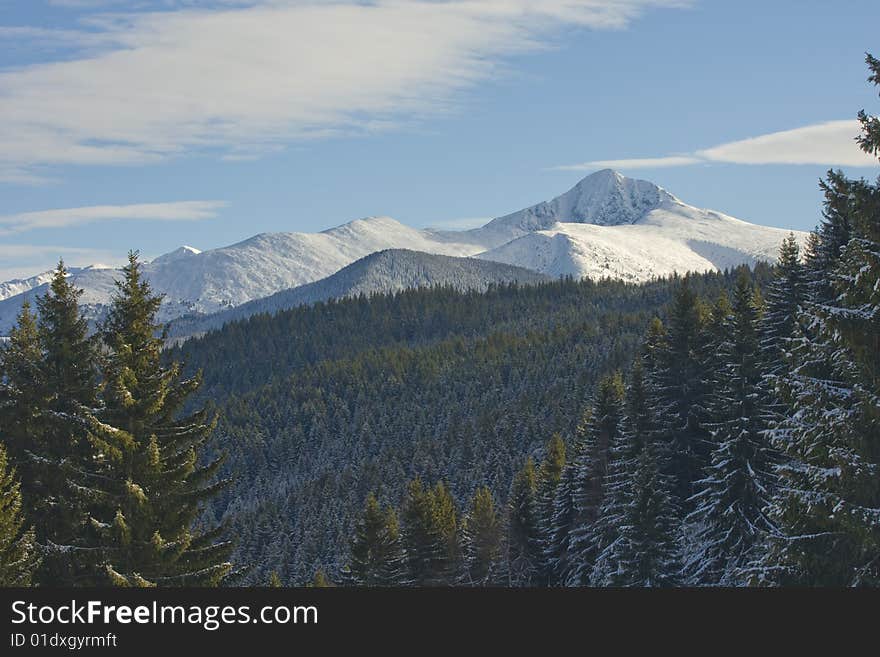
(149, 124)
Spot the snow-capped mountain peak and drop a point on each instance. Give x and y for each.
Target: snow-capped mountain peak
(177, 254)
(604, 198)
(606, 225)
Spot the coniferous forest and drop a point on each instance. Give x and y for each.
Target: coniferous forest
(718, 429)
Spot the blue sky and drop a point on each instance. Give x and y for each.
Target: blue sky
(150, 124)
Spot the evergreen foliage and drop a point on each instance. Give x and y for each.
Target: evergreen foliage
(483, 541)
(152, 482)
(18, 553)
(376, 556)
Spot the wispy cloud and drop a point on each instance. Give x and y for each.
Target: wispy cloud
(194, 75)
(178, 211)
(23, 260)
(634, 163)
(831, 143)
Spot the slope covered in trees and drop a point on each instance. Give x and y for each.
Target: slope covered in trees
(361, 396)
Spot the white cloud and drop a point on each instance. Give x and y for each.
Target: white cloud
(200, 75)
(831, 143)
(635, 163)
(22, 260)
(178, 211)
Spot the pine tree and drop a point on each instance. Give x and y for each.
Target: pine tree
(832, 235)
(523, 529)
(22, 393)
(564, 517)
(549, 477)
(18, 554)
(728, 520)
(645, 552)
(375, 551)
(785, 295)
(63, 435)
(592, 470)
(430, 535)
(321, 581)
(638, 429)
(483, 534)
(681, 379)
(153, 482)
(828, 509)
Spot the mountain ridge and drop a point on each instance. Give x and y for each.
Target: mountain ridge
(605, 225)
(391, 270)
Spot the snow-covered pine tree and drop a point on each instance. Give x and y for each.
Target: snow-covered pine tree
(482, 534)
(828, 509)
(376, 556)
(523, 530)
(681, 388)
(784, 297)
(18, 553)
(564, 514)
(728, 518)
(591, 470)
(645, 552)
(549, 477)
(153, 482)
(832, 234)
(638, 430)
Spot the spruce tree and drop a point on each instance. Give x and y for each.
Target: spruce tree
(785, 296)
(523, 528)
(483, 534)
(828, 509)
(549, 477)
(645, 552)
(430, 535)
(22, 394)
(592, 469)
(375, 550)
(18, 553)
(681, 379)
(62, 435)
(154, 481)
(564, 517)
(729, 520)
(638, 429)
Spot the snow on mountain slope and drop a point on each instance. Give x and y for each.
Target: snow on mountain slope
(604, 198)
(670, 236)
(221, 278)
(606, 225)
(97, 284)
(202, 282)
(386, 271)
(20, 285)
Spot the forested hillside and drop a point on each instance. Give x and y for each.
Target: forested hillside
(322, 405)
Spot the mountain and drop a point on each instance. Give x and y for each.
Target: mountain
(203, 282)
(604, 198)
(392, 270)
(606, 225)
(613, 226)
(673, 237)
